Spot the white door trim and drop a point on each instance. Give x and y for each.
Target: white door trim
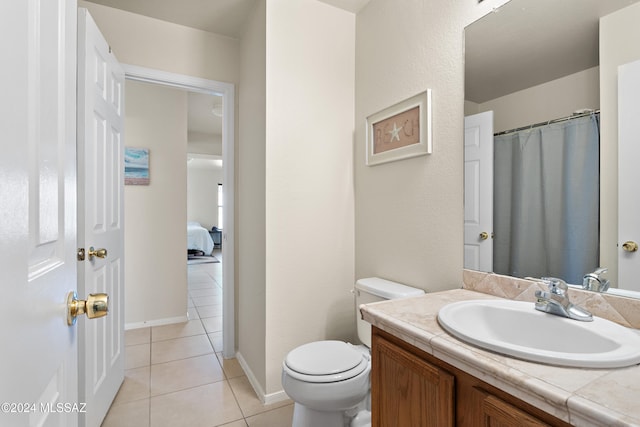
(227, 90)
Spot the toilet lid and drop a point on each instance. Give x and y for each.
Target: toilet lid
(323, 358)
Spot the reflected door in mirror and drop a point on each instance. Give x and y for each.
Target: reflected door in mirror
(478, 192)
(628, 159)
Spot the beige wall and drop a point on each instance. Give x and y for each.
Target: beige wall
(409, 213)
(250, 190)
(295, 184)
(155, 215)
(309, 177)
(151, 43)
(202, 193)
(618, 33)
(551, 100)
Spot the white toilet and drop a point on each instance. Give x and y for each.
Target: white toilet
(329, 380)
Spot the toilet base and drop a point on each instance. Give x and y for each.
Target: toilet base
(363, 419)
(305, 417)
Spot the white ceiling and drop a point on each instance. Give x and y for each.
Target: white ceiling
(528, 42)
(200, 116)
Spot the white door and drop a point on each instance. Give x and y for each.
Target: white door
(478, 191)
(38, 364)
(100, 216)
(628, 160)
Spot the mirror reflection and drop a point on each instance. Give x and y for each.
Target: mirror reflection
(532, 96)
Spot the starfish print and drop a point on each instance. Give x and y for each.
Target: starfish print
(395, 132)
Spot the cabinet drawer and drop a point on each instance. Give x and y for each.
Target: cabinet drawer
(498, 413)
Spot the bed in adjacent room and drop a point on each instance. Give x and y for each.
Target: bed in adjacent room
(198, 238)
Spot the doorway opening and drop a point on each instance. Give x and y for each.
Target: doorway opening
(226, 93)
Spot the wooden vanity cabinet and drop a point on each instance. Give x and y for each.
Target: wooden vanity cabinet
(411, 388)
(408, 391)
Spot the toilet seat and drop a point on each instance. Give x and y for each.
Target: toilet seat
(325, 362)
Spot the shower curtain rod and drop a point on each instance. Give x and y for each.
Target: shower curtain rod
(548, 122)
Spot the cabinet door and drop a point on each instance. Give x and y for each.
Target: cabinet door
(498, 413)
(408, 391)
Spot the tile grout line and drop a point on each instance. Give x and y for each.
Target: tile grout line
(224, 372)
(212, 284)
(149, 382)
(226, 377)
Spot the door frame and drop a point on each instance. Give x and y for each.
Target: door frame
(227, 91)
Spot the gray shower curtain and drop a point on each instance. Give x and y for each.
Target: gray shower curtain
(546, 200)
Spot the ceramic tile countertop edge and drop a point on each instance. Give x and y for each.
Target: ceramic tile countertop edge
(399, 317)
(406, 332)
(584, 412)
(489, 368)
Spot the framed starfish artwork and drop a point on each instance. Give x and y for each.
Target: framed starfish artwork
(400, 131)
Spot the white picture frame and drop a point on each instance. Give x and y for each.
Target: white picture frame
(410, 135)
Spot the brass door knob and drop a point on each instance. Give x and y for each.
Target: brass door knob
(96, 305)
(630, 246)
(100, 253)
(484, 235)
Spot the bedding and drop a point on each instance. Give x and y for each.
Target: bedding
(198, 238)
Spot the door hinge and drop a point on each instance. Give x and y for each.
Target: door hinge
(80, 254)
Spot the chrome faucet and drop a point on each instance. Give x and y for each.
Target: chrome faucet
(556, 301)
(593, 281)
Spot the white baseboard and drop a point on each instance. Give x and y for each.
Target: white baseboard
(267, 399)
(157, 322)
(278, 396)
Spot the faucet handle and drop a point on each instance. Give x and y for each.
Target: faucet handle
(600, 270)
(594, 281)
(556, 286)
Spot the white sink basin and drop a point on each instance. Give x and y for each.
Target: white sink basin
(517, 329)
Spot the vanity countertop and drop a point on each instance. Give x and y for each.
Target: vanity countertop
(579, 396)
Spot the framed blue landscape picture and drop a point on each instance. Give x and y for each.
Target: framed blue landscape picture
(136, 166)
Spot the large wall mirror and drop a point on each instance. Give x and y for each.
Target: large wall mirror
(534, 64)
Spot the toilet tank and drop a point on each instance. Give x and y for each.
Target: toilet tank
(373, 289)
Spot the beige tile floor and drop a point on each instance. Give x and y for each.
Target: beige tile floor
(175, 375)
